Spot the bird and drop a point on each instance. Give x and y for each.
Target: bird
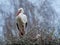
(21, 21)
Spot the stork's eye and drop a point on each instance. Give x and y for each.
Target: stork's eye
(20, 11)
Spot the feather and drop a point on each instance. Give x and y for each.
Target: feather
(17, 26)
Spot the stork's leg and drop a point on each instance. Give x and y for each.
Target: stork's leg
(23, 31)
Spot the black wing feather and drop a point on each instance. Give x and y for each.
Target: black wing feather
(17, 26)
(26, 25)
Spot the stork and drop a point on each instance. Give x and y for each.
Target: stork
(21, 21)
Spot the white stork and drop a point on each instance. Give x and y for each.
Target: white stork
(21, 21)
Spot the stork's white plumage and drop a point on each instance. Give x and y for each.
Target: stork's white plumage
(21, 21)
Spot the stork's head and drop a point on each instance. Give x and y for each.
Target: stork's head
(20, 10)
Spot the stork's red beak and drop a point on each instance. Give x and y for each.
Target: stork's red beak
(18, 13)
